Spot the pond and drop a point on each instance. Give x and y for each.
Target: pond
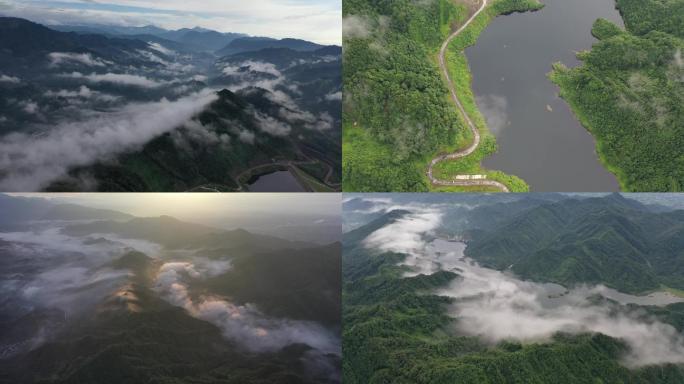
(539, 138)
(279, 181)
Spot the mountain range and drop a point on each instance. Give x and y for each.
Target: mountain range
(195, 39)
(227, 109)
(611, 240)
(401, 326)
(96, 303)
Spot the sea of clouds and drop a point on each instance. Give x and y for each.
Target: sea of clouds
(498, 306)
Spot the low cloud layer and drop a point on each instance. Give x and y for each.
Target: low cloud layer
(272, 126)
(497, 306)
(83, 93)
(118, 78)
(251, 66)
(406, 235)
(30, 163)
(335, 96)
(9, 79)
(59, 58)
(356, 26)
(243, 324)
(259, 74)
(44, 268)
(363, 27)
(161, 49)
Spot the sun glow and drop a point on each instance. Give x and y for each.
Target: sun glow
(194, 205)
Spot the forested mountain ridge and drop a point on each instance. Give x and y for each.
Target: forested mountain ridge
(99, 296)
(397, 330)
(611, 240)
(629, 93)
(177, 234)
(249, 44)
(135, 335)
(219, 122)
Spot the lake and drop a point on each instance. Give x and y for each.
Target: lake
(479, 280)
(279, 181)
(539, 138)
(497, 306)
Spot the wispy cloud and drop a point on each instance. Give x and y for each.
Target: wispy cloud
(406, 235)
(498, 306)
(244, 324)
(117, 78)
(9, 79)
(29, 163)
(314, 20)
(58, 58)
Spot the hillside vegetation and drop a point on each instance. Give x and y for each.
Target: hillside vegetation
(629, 94)
(396, 331)
(397, 110)
(612, 241)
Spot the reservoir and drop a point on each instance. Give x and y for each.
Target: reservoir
(497, 306)
(279, 181)
(539, 138)
(477, 281)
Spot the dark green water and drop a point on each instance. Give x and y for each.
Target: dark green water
(280, 181)
(539, 138)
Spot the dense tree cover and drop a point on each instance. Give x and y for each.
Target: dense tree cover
(643, 16)
(630, 94)
(396, 331)
(394, 91)
(611, 240)
(392, 88)
(367, 166)
(395, 95)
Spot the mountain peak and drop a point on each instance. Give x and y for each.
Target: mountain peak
(167, 218)
(226, 96)
(616, 196)
(619, 199)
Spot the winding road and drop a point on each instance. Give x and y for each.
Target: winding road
(461, 180)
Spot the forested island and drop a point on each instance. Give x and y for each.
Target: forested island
(629, 93)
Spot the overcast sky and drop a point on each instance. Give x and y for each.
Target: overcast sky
(314, 20)
(245, 210)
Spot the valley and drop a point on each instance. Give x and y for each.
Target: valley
(444, 288)
(104, 108)
(100, 295)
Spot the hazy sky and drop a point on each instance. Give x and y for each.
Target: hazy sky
(202, 206)
(315, 20)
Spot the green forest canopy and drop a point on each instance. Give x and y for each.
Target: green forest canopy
(630, 94)
(396, 331)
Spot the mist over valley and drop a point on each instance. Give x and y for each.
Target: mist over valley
(121, 108)
(96, 294)
(492, 288)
